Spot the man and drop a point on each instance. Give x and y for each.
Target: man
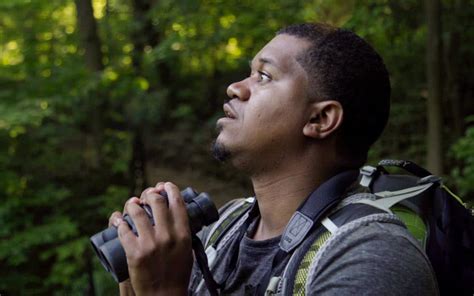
(316, 99)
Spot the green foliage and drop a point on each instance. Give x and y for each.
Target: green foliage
(463, 173)
(68, 135)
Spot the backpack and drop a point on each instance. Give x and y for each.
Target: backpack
(433, 215)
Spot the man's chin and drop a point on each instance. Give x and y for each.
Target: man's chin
(219, 151)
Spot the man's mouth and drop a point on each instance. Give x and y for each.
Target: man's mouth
(229, 112)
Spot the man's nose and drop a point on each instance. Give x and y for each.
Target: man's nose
(239, 90)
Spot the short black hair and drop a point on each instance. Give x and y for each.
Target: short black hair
(342, 66)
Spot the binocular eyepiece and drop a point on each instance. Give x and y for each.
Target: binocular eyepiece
(201, 212)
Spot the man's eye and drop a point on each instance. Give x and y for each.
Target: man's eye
(263, 77)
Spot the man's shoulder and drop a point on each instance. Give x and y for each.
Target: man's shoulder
(374, 255)
(368, 231)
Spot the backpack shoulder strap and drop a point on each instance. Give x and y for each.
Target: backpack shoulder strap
(230, 213)
(295, 276)
(313, 260)
(301, 277)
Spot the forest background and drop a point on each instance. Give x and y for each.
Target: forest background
(101, 98)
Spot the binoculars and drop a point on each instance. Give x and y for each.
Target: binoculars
(201, 212)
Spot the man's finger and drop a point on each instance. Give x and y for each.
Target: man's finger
(146, 191)
(177, 208)
(115, 219)
(134, 199)
(140, 219)
(159, 207)
(127, 237)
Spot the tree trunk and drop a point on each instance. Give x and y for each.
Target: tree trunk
(433, 71)
(453, 62)
(90, 275)
(144, 35)
(452, 94)
(138, 164)
(89, 37)
(147, 35)
(90, 41)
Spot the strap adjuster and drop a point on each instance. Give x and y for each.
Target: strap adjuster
(367, 172)
(273, 286)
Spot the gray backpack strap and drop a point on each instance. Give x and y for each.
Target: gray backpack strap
(294, 278)
(343, 231)
(227, 217)
(231, 218)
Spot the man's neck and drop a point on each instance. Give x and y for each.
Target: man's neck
(279, 194)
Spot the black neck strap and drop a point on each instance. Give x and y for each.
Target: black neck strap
(203, 265)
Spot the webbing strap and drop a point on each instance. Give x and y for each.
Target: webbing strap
(329, 225)
(409, 166)
(312, 210)
(202, 263)
(299, 287)
(227, 220)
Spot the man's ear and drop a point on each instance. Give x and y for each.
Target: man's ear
(324, 119)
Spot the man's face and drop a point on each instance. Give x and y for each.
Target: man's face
(266, 114)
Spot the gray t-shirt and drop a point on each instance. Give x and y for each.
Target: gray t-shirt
(374, 259)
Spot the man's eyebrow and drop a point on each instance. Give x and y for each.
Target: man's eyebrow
(265, 61)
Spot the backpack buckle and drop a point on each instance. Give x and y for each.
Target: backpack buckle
(367, 172)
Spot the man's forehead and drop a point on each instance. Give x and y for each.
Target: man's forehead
(281, 51)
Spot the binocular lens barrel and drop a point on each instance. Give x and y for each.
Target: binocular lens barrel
(201, 212)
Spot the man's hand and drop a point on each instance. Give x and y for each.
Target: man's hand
(160, 258)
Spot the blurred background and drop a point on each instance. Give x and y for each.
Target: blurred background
(101, 98)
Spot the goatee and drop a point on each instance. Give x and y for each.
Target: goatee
(219, 151)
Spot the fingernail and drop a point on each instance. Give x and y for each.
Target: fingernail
(117, 222)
